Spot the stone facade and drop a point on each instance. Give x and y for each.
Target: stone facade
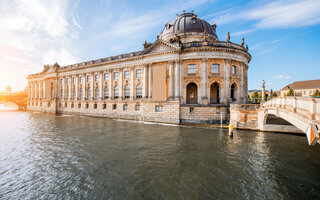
(182, 68)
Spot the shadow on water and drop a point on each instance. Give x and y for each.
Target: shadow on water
(46, 156)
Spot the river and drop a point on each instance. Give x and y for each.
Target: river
(45, 156)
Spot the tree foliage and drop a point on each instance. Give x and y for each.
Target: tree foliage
(316, 93)
(290, 93)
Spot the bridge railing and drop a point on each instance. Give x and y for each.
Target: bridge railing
(306, 106)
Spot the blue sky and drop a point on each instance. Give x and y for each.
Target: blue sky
(283, 36)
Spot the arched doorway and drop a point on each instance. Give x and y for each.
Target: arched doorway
(192, 93)
(233, 92)
(214, 93)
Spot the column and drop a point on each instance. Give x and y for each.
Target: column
(204, 81)
(77, 87)
(101, 85)
(182, 90)
(242, 96)
(92, 86)
(111, 84)
(132, 87)
(226, 88)
(70, 87)
(171, 80)
(177, 80)
(150, 81)
(39, 90)
(120, 84)
(145, 82)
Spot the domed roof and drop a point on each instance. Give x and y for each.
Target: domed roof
(187, 23)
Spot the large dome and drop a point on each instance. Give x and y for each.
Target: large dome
(188, 23)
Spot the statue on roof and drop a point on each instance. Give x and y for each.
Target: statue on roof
(242, 42)
(228, 37)
(146, 44)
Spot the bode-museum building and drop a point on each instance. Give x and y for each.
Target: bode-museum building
(186, 76)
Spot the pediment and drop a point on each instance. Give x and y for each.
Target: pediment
(161, 46)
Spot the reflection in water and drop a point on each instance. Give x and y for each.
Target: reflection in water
(8, 106)
(70, 157)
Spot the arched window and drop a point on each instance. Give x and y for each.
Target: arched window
(192, 93)
(139, 91)
(214, 93)
(233, 92)
(116, 92)
(127, 92)
(81, 93)
(106, 92)
(97, 93)
(89, 93)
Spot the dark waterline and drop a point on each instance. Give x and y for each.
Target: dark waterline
(43, 156)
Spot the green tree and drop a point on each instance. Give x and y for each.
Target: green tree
(290, 93)
(254, 96)
(316, 94)
(274, 94)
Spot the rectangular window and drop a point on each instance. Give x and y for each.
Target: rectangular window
(95, 106)
(72, 105)
(88, 78)
(106, 76)
(49, 104)
(158, 108)
(215, 68)
(114, 106)
(310, 92)
(79, 105)
(74, 80)
(97, 77)
(126, 74)
(115, 75)
(66, 104)
(125, 107)
(304, 92)
(87, 106)
(104, 106)
(139, 73)
(137, 107)
(192, 69)
(191, 110)
(234, 69)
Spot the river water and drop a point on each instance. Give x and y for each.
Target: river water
(44, 156)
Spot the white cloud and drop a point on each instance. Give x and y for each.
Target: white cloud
(34, 33)
(277, 14)
(282, 76)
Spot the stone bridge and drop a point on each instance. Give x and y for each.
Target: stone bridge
(19, 100)
(282, 114)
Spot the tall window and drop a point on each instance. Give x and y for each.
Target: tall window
(68, 92)
(97, 93)
(139, 91)
(234, 69)
(127, 92)
(81, 93)
(89, 93)
(106, 92)
(192, 69)
(126, 74)
(81, 79)
(159, 108)
(68, 80)
(116, 92)
(74, 79)
(61, 93)
(139, 73)
(88, 78)
(116, 75)
(106, 76)
(215, 68)
(74, 94)
(96, 77)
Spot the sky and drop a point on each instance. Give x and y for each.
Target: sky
(283, 36)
